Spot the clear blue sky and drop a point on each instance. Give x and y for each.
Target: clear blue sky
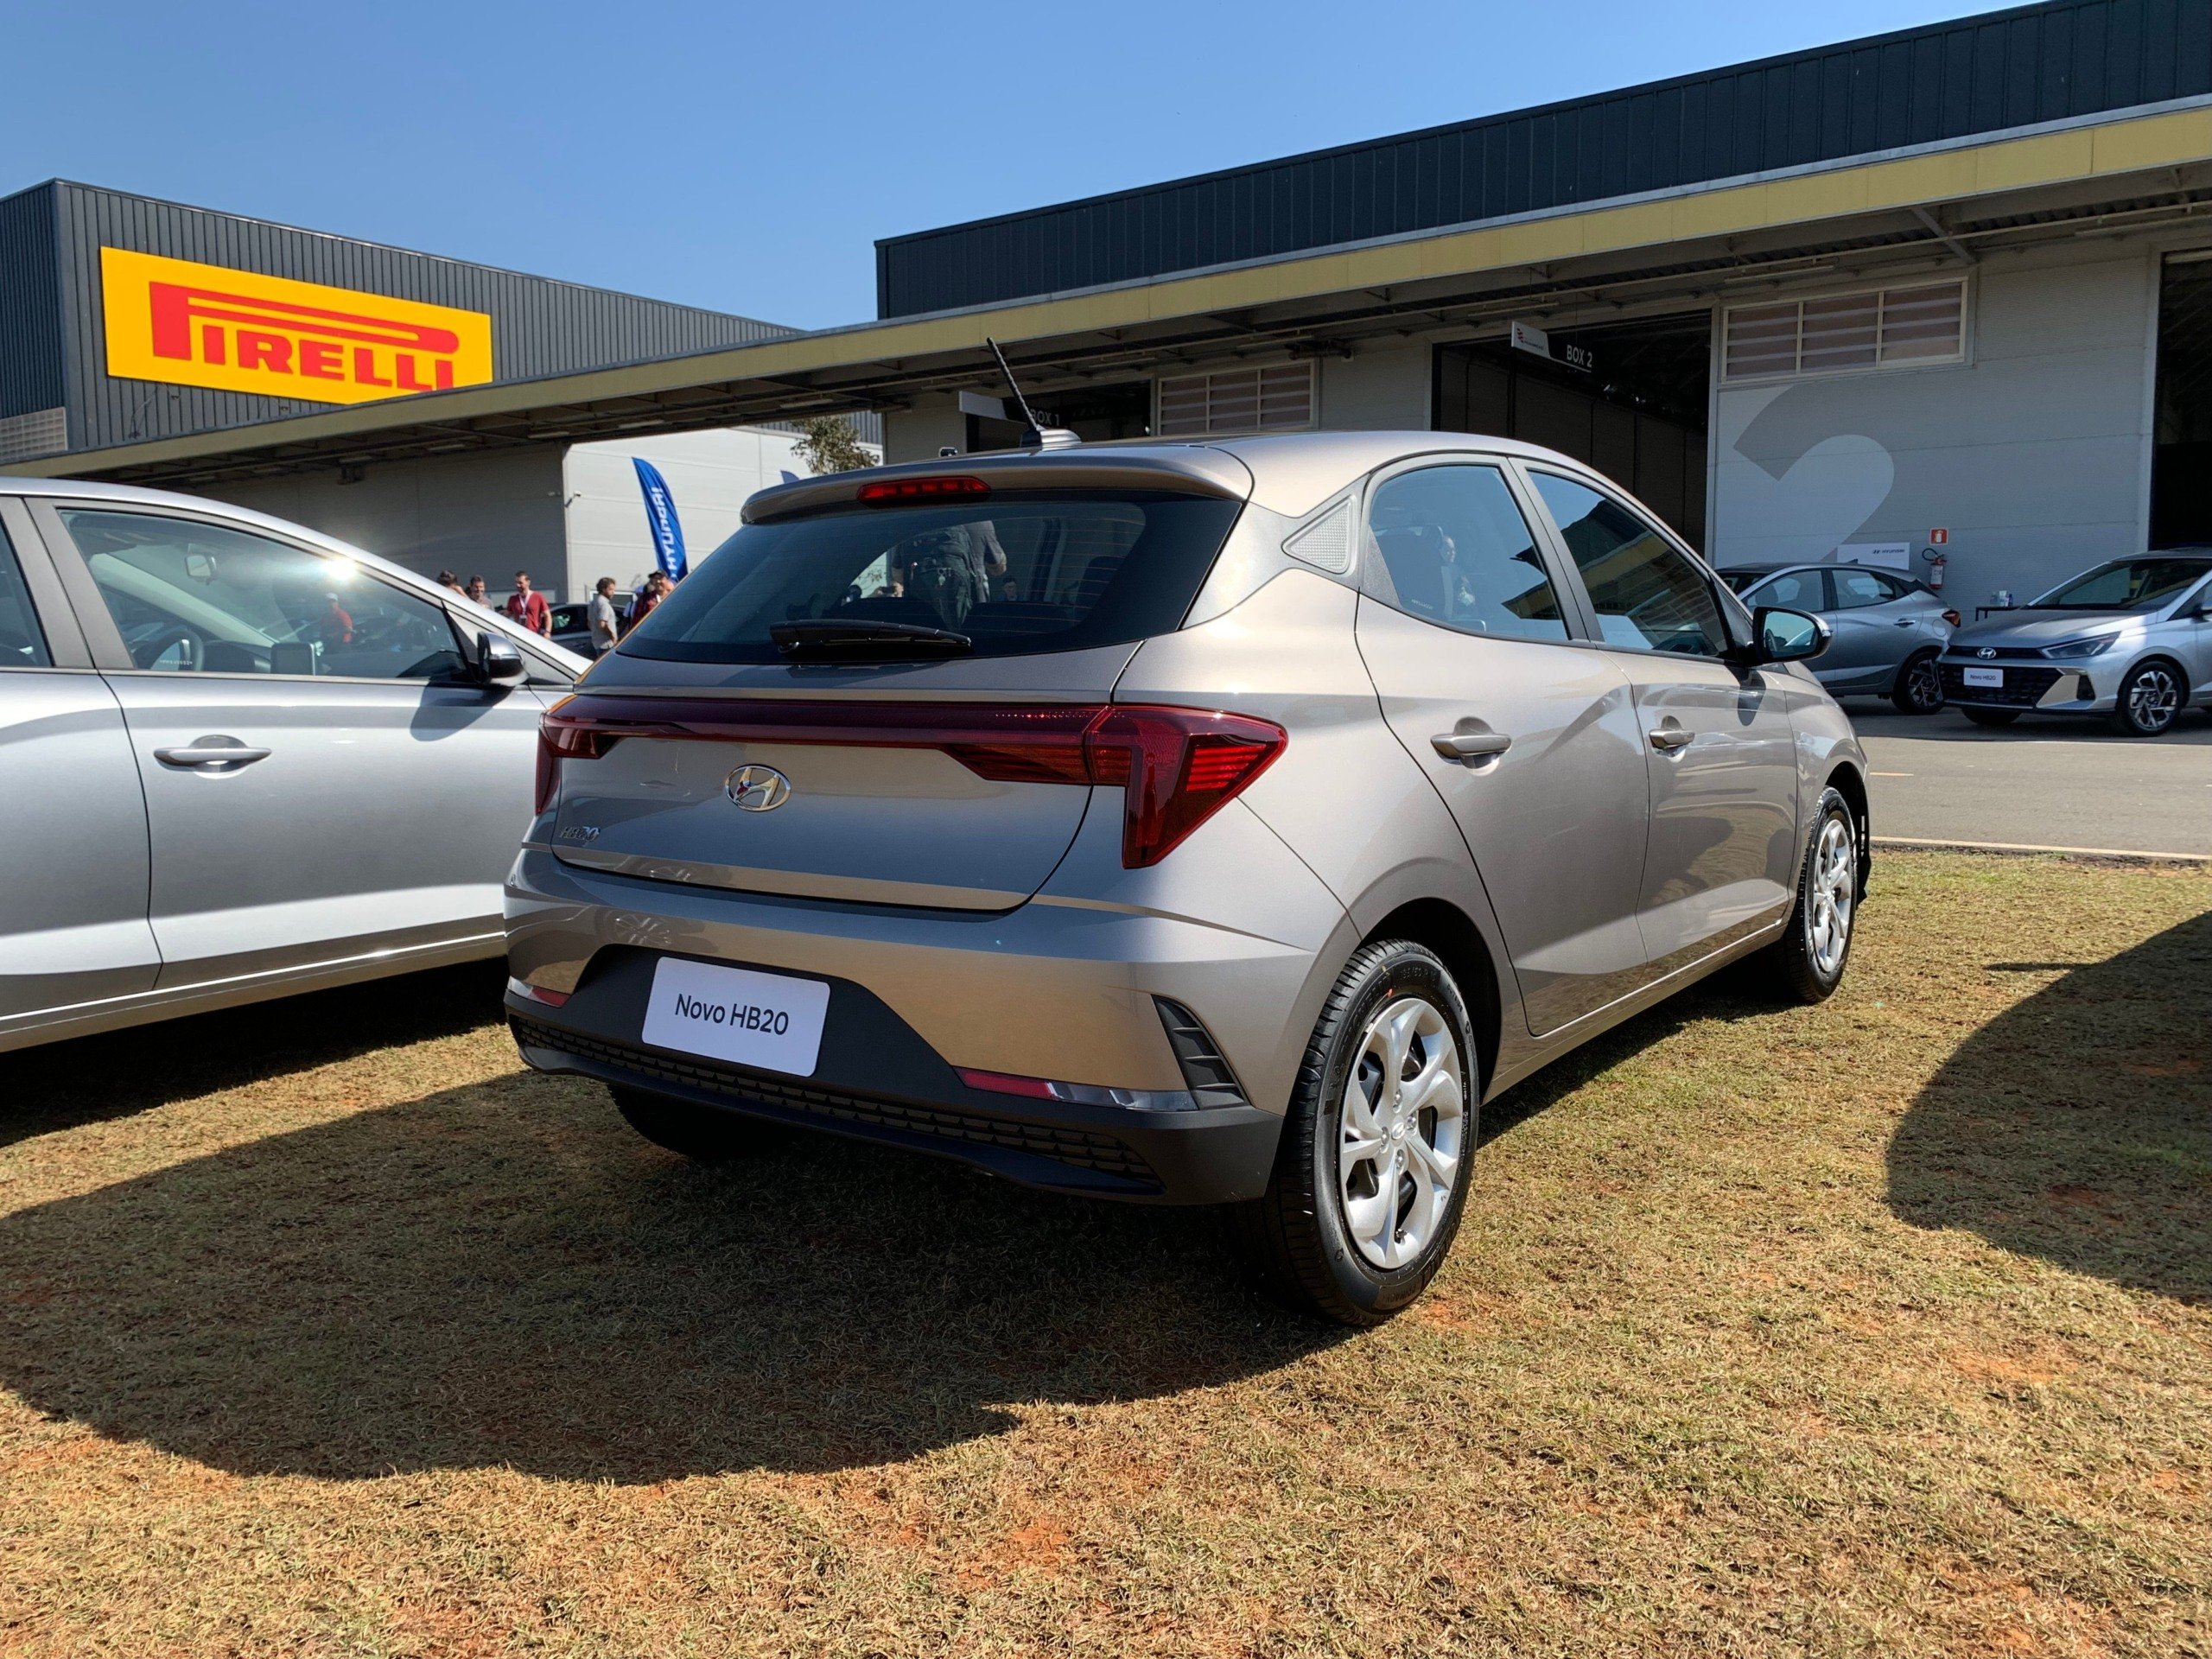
(744, 156)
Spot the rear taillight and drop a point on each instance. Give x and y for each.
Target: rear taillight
(564, 736)
(1176, 767)
(1953, 618)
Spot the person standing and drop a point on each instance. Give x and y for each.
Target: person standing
(478, 591)
(655, 590)
(606, 628)
(447, 580)
(528, 606)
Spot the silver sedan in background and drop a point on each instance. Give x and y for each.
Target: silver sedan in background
(2131, 640)
(1886, 631)
(241, 759)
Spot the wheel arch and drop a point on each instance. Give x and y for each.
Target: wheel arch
(1846, 780)
(1444, 928)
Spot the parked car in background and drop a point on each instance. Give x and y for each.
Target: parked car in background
(1103, 816)
(240, 760)
(1887, 632)
(571, 626)
(2129, 639)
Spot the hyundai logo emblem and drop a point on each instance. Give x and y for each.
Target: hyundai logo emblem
(1987, 651)
(758, 789)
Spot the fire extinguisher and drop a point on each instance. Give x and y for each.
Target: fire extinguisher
(1937, 560)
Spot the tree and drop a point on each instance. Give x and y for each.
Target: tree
(828, 444)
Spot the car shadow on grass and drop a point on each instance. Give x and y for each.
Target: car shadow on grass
(115, 1074)
(2078, 1126)
(503, 1274)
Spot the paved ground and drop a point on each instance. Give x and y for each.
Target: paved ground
(2039, 783)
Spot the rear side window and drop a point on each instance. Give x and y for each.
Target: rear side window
(1857, 589)
(1455, 550)
(1015, 574)
(22, 643)
(1647, 596)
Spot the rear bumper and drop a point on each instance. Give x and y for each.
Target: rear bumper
(877, 1080)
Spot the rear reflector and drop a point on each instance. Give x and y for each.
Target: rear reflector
(1080, 1094)
(523, 988)
(886, 491)
(1177, 767)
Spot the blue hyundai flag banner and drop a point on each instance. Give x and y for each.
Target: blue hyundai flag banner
(660, 515)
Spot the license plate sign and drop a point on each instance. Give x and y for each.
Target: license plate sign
(1989, 677)
(769, 1021)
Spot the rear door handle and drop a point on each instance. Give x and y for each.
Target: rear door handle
(1668, 739)
(1906, 622)
(1470, 746)
(212, 752)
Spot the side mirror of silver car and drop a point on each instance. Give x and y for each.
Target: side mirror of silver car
(1786, 636)
(497, 662)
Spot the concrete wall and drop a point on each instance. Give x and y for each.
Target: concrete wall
(918, 433)
(1379, 389)
(488, 515)
(2033, 452)
(710, 474)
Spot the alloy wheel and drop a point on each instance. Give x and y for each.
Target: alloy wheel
(2153, 698)
(1924, 685)
(1402, 1131)
(1835, 882)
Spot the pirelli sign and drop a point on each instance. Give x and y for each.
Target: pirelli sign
(193, 325)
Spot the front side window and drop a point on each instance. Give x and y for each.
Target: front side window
(192, 597)
(1456, 550)
(22, 643)
(1004, 575)
(1793, 590)
(1647, 594)
(2128, 585)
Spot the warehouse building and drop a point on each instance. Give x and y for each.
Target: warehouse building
(1949, 288)
(125, 321)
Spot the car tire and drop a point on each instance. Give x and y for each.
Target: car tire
(1919, 689)
(705, 1135)
(2151, 699)
(1988, 716)
(1808, 961)
(1358, 1216)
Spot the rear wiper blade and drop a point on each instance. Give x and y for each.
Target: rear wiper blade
(820, 638)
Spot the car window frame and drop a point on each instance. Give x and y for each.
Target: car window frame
(56, 619)
(1735, 616)
(1824, 577)
(104, 638)
(1882, 579)
(1372, 577)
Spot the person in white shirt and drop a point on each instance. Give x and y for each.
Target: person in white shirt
(606, 625)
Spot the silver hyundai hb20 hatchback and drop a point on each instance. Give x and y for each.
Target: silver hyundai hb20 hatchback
(1217, 824)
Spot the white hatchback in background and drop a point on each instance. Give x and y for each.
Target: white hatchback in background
(241, 759)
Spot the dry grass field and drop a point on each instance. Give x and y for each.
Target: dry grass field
(1882, 1327)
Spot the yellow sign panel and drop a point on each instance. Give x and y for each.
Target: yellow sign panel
(193, 325)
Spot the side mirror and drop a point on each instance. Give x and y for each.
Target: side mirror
(1787, 636)
(497, 662)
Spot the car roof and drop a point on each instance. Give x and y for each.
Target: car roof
(137, 495)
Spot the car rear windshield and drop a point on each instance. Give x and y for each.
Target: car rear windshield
(2128, 585)
(1014, 573)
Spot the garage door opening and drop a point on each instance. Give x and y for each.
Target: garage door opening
(2181, 462)
(1628, 397)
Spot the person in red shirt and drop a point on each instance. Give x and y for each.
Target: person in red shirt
(336, 626)
(528, 608)
(658, 587)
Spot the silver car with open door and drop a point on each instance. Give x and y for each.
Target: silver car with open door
(1214, 823)
(241, 759)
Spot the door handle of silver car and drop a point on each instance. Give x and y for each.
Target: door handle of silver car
(1470, 746)
(1668, 739)
(1906, 622)
(211, 755)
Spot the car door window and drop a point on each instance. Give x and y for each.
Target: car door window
(1793, 590)
(1647, 596)
(1456, 550)
(190, 596)
(22, 645)
(1856, 589)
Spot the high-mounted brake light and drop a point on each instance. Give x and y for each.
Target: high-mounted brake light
(1176, 767)
(886, 491)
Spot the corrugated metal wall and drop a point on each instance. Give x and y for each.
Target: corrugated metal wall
(1949, 80)
(539, 327)
(30, 305)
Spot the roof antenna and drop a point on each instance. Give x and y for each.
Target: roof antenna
(1033, 436)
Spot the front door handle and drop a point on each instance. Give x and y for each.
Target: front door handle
(1470, 746)
(1668, 739)
(1906, 622)
(212, 752)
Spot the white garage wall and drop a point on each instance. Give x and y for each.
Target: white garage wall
(710, 474)
(2032, 452)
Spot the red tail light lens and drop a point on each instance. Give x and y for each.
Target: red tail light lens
(1177, 767)
(1953, 618)
(886, 491)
